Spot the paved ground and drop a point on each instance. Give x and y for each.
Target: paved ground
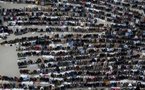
(8, 61)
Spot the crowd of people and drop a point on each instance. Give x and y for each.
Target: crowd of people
(93, 44)
(21, 1)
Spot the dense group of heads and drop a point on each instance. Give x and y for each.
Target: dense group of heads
(82, 44)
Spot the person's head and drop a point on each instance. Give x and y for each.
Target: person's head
(138, 84)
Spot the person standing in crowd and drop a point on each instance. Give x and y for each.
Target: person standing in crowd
(137, 86)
